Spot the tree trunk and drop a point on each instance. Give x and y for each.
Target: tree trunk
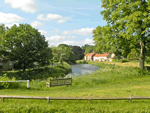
(24, 66)
(142, 55)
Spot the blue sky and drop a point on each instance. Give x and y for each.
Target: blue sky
(60, 21)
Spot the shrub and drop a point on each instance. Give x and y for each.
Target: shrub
(147, 59)
(117, 57)
(123, 60)
(40, 73)
(6, 85)
(82, 62)
(114, 60)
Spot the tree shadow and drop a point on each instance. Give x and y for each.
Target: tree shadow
(147, 68)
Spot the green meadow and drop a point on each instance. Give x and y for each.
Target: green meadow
(107, 81)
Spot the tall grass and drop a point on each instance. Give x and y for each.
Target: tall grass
(107, 81)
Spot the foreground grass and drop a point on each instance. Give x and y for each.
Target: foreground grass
(105, 82)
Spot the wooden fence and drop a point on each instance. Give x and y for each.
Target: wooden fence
(59, 82)
(70, 98)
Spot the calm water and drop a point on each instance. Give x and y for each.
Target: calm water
(79, 69)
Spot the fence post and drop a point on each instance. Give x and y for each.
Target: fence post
(2, 99)
(27, 83)
(130, 99)
(71, 81)
(89, 100)
(49, 82)
(48, 100)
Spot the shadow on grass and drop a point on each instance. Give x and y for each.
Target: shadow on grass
(147, 68)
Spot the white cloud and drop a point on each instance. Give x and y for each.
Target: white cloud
(55, 38)
(64, 19)
(78, 43)
(89, 41)
(72, 42)
(9, 18)
(56, 30)
(61, 21)
(42, 32)
(71, 37)
(10, 25)
(82, 31)
(25, 5)
(36, 24)
(50, 17)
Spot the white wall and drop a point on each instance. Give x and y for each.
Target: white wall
(112, 55)
(84, 57)
(100, 58)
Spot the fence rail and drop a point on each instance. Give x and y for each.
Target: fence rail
(72, 98)
(59, 82)
(19, 81)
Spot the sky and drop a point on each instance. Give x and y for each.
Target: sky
(68, 22)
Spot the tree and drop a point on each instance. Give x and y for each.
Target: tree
(78, 52)
(66, 54)
(128, 24)
(2, 32)
(63, 53)
(89, 49)
(63, 45)
(26, 45)
(3, 53)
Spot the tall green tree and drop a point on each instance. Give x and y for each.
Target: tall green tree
(2, 32)
(128, 23)
(63, 53)
(89, 49)
(78, 52)
(3, 54)
(26, 45)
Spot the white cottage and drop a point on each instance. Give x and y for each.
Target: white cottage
(89, 56)
(103, 57)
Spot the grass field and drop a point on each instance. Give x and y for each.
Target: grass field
(122, 81)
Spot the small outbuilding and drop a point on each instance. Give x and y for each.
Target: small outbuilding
(99, 57)
(89, 56)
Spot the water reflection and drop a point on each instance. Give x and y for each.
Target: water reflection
(79, 69)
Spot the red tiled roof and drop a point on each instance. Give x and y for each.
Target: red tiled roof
(97, 55)
(101, 55)
(90, 54)
(86, 55)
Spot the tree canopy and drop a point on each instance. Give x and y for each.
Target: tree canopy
(78, 52)
(26, 45)
(63, 53)
(89, 48)
(127, 29)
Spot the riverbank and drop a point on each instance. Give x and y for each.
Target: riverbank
(105, 82)
(79, 69)
(35, 74)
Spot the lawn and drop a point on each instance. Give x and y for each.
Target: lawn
(120, 81)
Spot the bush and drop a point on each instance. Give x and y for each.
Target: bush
(115, 60)
(6, 85)
(117, 57)
(40, 73)
(82, 62)
(123, 60)
(147, 59)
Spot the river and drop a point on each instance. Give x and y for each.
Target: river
(80, 69)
